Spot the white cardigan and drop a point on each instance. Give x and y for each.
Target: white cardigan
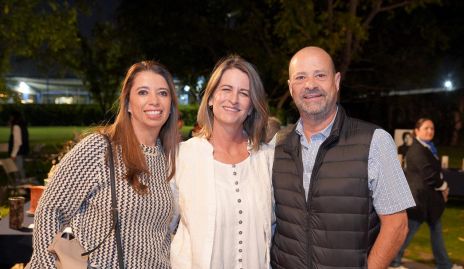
(192, 245)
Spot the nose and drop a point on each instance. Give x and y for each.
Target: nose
(153, 99)
(234, 97)
(310, 82)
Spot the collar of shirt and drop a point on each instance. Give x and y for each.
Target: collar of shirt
(423, 143)
(322, 135)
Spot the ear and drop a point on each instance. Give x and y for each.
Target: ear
(338, 77)
(290, 88)
(129, 108)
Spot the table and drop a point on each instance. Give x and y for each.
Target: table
(455, 179)
(15, 245)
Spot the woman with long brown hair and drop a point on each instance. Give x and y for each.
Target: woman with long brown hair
(144, 139)
(223, 176)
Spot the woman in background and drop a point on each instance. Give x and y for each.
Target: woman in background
(18, 144)
(144, 138)
(224, 176)
(430, 191)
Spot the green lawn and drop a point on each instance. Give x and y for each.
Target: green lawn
(57, 135)
(46, 135)
(453, 232)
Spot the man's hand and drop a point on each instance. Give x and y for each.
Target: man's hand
(393, 231)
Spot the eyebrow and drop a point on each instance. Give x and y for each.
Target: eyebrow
(230, 86)
(300, 73)
(148, 88)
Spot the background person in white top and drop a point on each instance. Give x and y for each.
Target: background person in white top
(18, 144)
(223, 176)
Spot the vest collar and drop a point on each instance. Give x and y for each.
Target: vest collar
(292, 143)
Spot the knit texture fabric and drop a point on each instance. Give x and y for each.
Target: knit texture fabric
(79, 194)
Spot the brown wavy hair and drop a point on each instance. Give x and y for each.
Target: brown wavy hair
(255, 124)
(121, 131)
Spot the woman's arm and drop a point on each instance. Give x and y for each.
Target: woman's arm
(76, 176)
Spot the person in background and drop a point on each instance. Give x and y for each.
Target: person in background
(18, 144)
(340, 193)
(273, 126)
(430, 191)
(223, 178)
(403, 149)
(407, 141)
(145, 141)
(194, 131)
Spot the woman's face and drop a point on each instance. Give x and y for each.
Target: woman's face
(426, 131)
(231, 99)
(149, 102)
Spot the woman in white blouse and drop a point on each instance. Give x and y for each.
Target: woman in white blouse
(223, 176)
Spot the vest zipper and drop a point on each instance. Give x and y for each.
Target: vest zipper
(317, 164)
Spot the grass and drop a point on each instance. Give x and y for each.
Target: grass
(453, 233)
(57, 135)
(54, 135)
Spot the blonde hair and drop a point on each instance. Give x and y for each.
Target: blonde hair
(255, 124)
(121, 131)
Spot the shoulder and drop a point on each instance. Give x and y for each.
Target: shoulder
(382, 140)
(283, 134)
(89, 152)
(268, 148)
(416, 147)
(93, 144)
(361, 125)
(94, 139)
(194, 147)
(381, 134)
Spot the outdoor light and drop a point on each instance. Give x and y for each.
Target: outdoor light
(187, 88)
(24, 88)
(448, 85)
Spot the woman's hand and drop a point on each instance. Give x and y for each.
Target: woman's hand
(445, 194)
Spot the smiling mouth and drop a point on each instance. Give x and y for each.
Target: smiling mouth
(312, 95)
(233, 109)
(153, 113)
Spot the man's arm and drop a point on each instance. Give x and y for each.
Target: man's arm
(393, 231)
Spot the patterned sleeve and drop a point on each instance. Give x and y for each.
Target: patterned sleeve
(76, 176)
(387, 182)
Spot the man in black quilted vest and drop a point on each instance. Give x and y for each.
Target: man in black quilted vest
(340, 193)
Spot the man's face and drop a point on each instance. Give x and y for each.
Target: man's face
(313, 83)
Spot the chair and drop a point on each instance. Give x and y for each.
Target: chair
(3, 147)
(11, 170)
(14, 183)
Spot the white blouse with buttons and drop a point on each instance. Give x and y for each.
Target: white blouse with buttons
(236, 244)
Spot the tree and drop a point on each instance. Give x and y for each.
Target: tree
(35, 29)
(342, 27)
(101, 62)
